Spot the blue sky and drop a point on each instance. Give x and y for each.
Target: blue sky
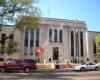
(84, 10)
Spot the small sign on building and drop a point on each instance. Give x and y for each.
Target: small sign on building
(38, 51)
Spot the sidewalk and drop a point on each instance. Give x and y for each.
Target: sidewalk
(64, 70)
(50, 67)
(56, 70)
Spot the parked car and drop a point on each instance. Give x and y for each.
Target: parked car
(16, 64)
(87, 66)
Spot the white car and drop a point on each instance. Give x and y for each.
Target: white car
(87, 66)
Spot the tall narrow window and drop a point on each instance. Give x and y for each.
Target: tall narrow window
(37, 37)
(3, 39)
(26, 38)
(50, 35)
(94, 47)
(60, 36)
(3, 44)
(32, 38)
(55, 35)
(72, 43)
(25, 50)
(81, 44)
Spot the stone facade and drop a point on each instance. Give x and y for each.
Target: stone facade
(61, 39)
(92, 46)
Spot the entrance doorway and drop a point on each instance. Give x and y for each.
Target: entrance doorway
(55, 53)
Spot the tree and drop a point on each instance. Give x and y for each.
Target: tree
(11, 47)
(28, 21)
(21, 13)
(10, 9)
(97, 40)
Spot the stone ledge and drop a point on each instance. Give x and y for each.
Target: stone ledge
(52, 65)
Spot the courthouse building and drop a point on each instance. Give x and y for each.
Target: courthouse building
(60, 39)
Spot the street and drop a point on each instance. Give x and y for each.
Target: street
(88, 75)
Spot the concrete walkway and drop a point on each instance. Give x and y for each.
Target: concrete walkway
(56, 70)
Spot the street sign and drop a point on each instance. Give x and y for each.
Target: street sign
(38, 51)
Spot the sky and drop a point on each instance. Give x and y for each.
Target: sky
(83, 10)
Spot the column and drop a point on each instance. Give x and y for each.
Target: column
(23, 46)
(34, 39)
(79, 47)
(88, 55)
(29, 35)
(74, 44)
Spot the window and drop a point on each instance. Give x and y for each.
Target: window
(55, 35)
(81, 44)
(26, 37)
(88, 59)
(94, 47)
(30, 61)
(60, 36)
(2, 49)
(91, 64)
(31, 51)
(50, 35)
(32, 38)
(25, 50)
(37, 37)
(25, 53)
(3, 43)
(95, 61)
(1, 59)
(72, 43)
(82, 61)
(3, 39)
